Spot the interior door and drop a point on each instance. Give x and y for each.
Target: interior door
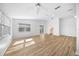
(41, 29)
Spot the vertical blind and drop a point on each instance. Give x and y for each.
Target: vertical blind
(5, 25)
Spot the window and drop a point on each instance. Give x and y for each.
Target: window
(24, 27)
(21, 27)
(27, 27)
(0, 26)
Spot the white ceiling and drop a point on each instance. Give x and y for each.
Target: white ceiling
(28, 10)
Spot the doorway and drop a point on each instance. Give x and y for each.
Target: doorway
(41, 29)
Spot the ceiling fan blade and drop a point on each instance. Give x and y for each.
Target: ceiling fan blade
(38, 10)
(29, 8)
(46, 11)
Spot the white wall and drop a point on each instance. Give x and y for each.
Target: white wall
(77, 17)
(55, 24)
(67, 26)
(64, 26)
(35, 28)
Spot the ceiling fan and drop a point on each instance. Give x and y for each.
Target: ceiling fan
(40, 7)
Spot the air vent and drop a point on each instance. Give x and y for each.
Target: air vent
(57, 7)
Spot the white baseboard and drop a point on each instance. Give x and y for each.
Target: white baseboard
(77, 53)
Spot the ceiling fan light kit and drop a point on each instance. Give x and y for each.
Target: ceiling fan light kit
(38, 5)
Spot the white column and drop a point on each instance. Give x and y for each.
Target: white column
(77, 40)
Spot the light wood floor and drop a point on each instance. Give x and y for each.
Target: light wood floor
(47, 45)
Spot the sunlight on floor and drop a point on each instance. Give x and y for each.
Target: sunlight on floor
(29, 43)
(16, 48)
(18, 42)
(21, 44)
(27, 40)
